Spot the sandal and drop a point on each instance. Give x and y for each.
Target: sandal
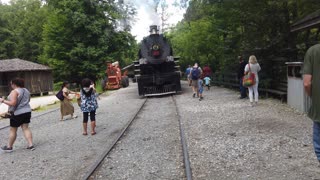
(84, 134)
(93, 133)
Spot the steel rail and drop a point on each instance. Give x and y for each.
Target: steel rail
(186, 160)
(97, 164)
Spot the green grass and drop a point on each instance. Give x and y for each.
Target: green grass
(47, 107)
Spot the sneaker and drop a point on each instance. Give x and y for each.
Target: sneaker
(31, 148)
(74, 116)
(6, 149)
(194, 95)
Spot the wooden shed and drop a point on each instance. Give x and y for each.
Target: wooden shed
(38, 78)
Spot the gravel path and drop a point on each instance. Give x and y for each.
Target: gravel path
(62, 152)
(228, 139)
(151, 148)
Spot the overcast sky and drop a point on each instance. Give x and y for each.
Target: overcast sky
(147, 17)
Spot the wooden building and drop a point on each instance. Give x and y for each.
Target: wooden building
(38, 78)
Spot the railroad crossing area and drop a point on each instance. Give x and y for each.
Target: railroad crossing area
(169, 137)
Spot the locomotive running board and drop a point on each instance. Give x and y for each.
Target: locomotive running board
(160, 94)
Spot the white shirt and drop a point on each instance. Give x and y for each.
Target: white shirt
(255, 68)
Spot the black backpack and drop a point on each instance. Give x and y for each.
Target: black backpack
(60, 96)
(195, 74)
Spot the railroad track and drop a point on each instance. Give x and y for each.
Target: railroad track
(95, 167)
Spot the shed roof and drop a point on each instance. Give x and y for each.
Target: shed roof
(310, 21)
(11, 65)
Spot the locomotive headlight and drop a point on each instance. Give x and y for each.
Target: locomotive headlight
(155, 47)
(155, 50)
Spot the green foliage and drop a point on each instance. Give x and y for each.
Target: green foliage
(57, 86)
(217, 31)
(21, 28)
(98, 86)
(73, 37)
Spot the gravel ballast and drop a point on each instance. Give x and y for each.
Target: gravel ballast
(228, 139)
(151, 148)
(62, 152)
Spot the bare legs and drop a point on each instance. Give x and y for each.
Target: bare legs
(12, 136)
(26, 132)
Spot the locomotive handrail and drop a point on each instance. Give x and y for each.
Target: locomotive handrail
(127, 67)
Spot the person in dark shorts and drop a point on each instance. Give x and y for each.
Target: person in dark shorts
(18, 102)
(88, 105)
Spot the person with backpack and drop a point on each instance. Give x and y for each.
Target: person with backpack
(195, 75)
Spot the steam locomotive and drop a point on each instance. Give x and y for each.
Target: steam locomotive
(156, 71)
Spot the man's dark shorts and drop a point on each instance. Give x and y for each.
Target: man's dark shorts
(18, 120)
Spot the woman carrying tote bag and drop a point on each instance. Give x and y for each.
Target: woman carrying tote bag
(253, 67)
(18, 102)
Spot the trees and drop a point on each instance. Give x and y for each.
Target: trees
(74, 37)
(217, 31)
(21, 29)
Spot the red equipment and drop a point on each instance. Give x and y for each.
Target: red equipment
(115, 79)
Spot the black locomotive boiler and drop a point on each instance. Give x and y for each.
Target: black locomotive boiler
(156, 71)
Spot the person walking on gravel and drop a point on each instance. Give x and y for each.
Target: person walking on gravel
(242, 65)
(200, 85)
(207, 82)
(18, 102)
(66, 107)
(88, 105)
(195, 74)
(311, 82)
(253, 67)
(188, 70)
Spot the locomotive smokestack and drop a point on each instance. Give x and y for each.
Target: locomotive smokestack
(154, 29)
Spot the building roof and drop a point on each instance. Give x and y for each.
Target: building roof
(11, 65)
(310, 21)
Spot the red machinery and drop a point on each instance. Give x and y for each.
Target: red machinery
(115, 79)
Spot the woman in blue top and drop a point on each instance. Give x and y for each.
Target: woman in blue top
(88, 105)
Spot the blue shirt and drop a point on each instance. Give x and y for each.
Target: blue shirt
(200, 85)
(207, 80)
(188, 70)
